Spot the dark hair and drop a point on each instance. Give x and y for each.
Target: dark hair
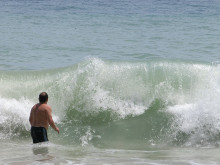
(43, 97)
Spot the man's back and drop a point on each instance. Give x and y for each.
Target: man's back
(40, 115)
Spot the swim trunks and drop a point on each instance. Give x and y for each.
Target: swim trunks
(39, 134)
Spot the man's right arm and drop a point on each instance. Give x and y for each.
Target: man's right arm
(50, 120)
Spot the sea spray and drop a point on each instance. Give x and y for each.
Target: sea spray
(13, 117)
(197, 121)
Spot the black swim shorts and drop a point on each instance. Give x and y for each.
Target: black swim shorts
(39, 134)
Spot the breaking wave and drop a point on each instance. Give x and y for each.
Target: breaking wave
(116, 104)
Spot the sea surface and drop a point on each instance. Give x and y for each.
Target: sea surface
(129, 81)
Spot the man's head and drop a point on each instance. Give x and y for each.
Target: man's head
(43, 97)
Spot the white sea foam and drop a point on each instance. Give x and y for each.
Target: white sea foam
(199, 116)
(14, 114)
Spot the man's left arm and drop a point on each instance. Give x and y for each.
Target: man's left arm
(31, 117)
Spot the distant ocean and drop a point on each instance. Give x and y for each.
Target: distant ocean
(129, 82)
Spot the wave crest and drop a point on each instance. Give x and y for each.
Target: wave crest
(98, 95)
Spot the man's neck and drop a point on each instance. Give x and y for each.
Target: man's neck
(43, 103)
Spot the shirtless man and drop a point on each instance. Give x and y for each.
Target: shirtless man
(40, 119)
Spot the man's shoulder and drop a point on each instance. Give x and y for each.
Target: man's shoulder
(46, 106)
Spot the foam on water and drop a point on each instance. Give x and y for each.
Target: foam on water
(198, 119)
(13, 116)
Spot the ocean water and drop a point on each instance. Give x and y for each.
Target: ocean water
(129, 82)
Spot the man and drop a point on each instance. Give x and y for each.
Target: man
(40, 119)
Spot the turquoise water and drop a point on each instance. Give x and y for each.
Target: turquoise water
(129, 82)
